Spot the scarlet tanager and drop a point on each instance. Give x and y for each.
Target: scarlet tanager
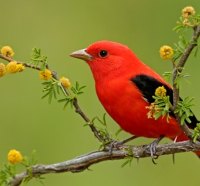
(125, 87)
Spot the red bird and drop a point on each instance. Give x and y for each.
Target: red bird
(125, 87)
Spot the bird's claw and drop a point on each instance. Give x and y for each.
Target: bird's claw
(152, 149)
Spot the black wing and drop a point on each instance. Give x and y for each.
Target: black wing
(147, 85)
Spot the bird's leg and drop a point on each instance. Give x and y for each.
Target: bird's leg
(152, 148)
(116, 144)
(128, 139)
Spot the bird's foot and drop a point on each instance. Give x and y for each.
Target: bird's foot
(118, 144)
(152, 148)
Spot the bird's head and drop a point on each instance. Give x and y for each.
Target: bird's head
(105, 57)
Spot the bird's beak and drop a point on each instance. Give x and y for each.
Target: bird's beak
(81, 54)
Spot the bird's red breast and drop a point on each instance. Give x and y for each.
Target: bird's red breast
(125, 87)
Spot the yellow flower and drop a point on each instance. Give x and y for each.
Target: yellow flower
(7, 51)
(161, 91)
(166, 52)
(14, 156)
(65, 82)
(12, 67)
(2, 69)
(45, 75)
(188, 11)
(20, 67)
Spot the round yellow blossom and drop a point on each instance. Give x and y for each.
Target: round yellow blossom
(12, 67)
(160, 91)
(14, 156)
(45, 74)
(188, 11)
(65, 82)
(2, 69)
(20, 67)
(7, 51)
(166, 52)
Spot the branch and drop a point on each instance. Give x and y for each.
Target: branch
(178, 69)
(76, 105)
(82, 163)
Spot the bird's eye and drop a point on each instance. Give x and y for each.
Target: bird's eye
(103, 53)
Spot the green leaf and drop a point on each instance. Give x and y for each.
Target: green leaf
(178, 28)
(167, 76)
(183, 109)
(67, 100)
(127, 162)
(161, 108)
(37, 59)
(51, 89)
(157, 115)
(102, 121)
(77, 89)
(50, 96)
(45, 95)
(196, 133)
(118, 131)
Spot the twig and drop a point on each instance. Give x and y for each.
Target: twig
(178, 69)
(82, 163)
(96, 132)
(9, 59)
(77, 108)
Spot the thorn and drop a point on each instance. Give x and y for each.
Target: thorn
(175, 139)
(173, 155)
(173, 158)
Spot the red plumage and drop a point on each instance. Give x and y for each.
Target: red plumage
(113, 65)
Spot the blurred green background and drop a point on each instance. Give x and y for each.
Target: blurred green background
(58, 28)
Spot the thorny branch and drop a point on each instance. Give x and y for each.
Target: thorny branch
(82, 163)
(178, 69)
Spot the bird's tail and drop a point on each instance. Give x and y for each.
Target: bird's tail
(183, 137)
